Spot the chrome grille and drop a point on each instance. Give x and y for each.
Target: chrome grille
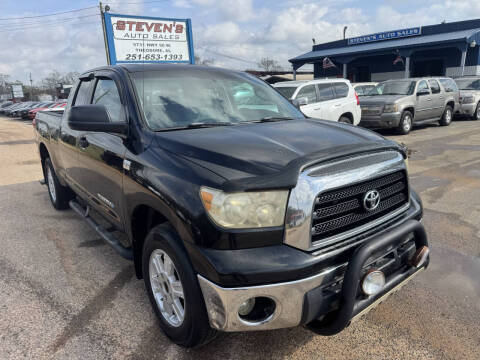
(340, 210)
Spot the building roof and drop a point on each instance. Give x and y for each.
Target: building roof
(447, 37)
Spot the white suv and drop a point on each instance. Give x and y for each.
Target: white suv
(329, 99)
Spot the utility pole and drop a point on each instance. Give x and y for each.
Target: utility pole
(104, 33)
(31, 87)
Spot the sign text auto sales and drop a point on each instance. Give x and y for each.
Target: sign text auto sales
(138, 39)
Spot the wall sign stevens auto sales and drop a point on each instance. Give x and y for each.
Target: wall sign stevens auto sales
(138, 39)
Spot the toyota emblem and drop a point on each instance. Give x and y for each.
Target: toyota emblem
(371, 200)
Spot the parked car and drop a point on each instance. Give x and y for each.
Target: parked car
(364, 88)
(33, 112)
(4, 104)
(6, 107)
(403, 103)
(24, 112)
(11, 109)
(239, 213)
(469, 97)
(328, 99)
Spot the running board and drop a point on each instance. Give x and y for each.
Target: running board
(124, 252)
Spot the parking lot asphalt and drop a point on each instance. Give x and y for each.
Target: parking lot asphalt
(65, 294)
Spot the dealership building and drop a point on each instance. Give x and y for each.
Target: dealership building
(447, 49)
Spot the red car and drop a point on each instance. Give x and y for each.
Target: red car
(33, 112)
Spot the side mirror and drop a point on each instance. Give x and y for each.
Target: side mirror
(423, 92)
(300, 102)
(94, 118)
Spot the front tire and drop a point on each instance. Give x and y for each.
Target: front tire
(173, 289)
(406, 123)
(345, 120)
(447, 116)
(476, 114)
(59, 195)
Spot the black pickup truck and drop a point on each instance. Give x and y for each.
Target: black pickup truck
(239, 213)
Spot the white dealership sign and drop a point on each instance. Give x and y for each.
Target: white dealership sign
(145, 39)
(17, 91)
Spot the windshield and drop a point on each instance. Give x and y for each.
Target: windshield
(468, 84)
(286, 91)
(178, 99)
(393, 88)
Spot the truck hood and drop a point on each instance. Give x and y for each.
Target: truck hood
(380, 99)
(269, 155)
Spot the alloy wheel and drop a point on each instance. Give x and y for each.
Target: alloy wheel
(167, 288)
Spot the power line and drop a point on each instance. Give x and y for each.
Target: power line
(52, 14)
(2, 30)
(228, 56)
(42, 22)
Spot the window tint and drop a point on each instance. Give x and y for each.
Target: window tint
(434, 86)
(286, 91)
(309, 92)
(82, 94)
(422, 85)
(106, 93)
(449, 85)
(325, 92)
(341, 89)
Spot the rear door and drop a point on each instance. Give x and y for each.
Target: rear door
(438, 98)
(310, 93)
(423, 110)
(68, 152)
(326, 98)
(101, 154)
(343, 104)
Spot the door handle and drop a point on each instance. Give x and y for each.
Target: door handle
(83, 142)
(337, 105)
(429, 99)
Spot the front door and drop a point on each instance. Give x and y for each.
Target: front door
(101, 154)
(424, 108)
(326, 98)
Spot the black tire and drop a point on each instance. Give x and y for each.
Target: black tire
(447, 116)
(345, 120)
(59, 195)
(195, 328)
(406, 123)
(476, 114)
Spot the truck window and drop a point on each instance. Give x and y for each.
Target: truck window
(82, 94)
(106, 93)
(325, 91)
(422, 85)
(434, 86)
(309, 92)
(449, 85)
(341, 90)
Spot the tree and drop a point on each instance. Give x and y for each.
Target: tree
(268, 64)
(200, 61)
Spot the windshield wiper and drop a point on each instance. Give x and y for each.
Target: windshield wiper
(197, 125)
(272, 119)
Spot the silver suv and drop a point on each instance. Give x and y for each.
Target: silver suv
(469, 97)
(403, 103)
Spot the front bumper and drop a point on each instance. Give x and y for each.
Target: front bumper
(310, 300)
(466, 109)
(384, 120)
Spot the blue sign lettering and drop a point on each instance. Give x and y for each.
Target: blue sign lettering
(388, 35)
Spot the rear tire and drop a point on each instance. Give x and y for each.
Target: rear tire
(345, 120)
(406, 123)
(447, 116)
(163, 250)
(59, 195)
(476, 114)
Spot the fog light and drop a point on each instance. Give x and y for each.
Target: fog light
(246, 307)
(373, 282)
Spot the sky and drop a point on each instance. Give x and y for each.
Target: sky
(234, 34)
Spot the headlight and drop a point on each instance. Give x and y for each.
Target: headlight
(390, 108)
(468, 99)
(246, 209)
